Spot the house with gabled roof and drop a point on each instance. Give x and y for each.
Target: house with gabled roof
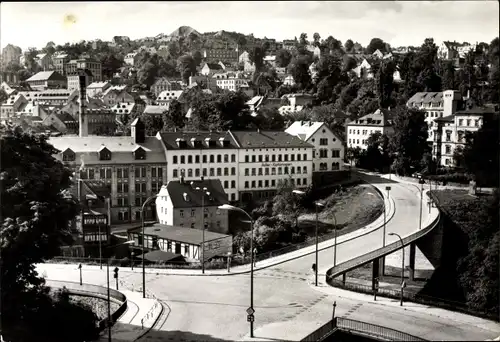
(328, 153)
(134, 166)
(359, 130)
(47, 80)
(210, 68)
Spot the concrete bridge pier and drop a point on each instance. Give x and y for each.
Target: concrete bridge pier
(344, 275)
(411, 267)
(375, 271)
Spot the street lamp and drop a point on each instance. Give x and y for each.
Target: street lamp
(150, 198)
(203, 226)
(402, 266)
(250, 310)
(316, 205)
(388, 188)
(107, 280)
(421, 182)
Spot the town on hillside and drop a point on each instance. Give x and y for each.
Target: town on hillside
(172, 151)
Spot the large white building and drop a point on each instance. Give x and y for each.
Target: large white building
(266, 159)
(359, 130)
(436, 105)
(211, 155)
(328, 153)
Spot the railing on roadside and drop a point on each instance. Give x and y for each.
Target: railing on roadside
(388, 249)
(321, 334)
(377, 331)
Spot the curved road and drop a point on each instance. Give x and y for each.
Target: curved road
(214, 306)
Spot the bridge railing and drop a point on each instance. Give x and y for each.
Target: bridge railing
(388, 249)
(387, 334)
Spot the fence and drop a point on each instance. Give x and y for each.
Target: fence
(322, 333)
(350, 325)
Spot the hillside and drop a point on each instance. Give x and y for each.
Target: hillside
(184, 32)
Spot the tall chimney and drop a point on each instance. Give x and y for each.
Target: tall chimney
(83, 120)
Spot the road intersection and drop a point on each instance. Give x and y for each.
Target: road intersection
(287, 306)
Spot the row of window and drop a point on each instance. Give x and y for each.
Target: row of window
(265, 183)
(434, 114)
(363, 132)
(211, 158)
(261, 171)
(123, 201)
(274, 158)
(92, 237)
(324, 166)
(122, 188)
(356, 141)
(175, 173)
(468, 122)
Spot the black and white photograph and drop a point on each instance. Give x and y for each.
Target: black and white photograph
(249, 171)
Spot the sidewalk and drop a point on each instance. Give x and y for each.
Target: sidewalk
(426, 322)
(260, 265)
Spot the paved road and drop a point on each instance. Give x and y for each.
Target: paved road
(215, 305)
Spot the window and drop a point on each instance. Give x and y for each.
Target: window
(246, 185)
(468, 122)
(204, 158)
(190, 159)
(335, 153)
(68, 156)
(91, 174)
(193, 213)
(460, 122)
(175, 174)
(219, 158)
(247, 159)
(298, 181)
(260, 158)
(190, 172)
(226, 158)
(247, 172)
(186, 250)
(212, 159)
(219, 171)
(226, 184)
(197, 159)
(174, 160)
(304, 157)
(233, 158)
(260, 184)
(298, 170)
(153, 172)
(253, 159)
(279, 170)
(323, 141)
(204, 172)
(233, 184)
(212, 172)
(448, 149)
(183, 159)
(273, 158)
(253, 184)
(304, 181)
(273, 171)
(260, 171)
(304, 169)
(298, 157)
(280, 157)
(226, 171)
(233, 171)
(181, 213)
(254, 172)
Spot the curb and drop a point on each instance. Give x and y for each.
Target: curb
(154, 323)
(330, 242)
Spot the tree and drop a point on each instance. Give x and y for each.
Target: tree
(186, 65)
(376, 44)
(303, 39)
(110, 65)
(197, 57)
(316, 38)
(174, 118)
(480, 155)
(349, 45)
(408, 143)
(376, 156)
(283, 58)
(385, 83)
(448, 78)
(36, 213)
(152, 123)
(256, 56)
(3, 96)
(300, 72)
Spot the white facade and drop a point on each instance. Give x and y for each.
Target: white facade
(328, 153)
(130, 58)
(166, 96)
(358, 131)
(262, 169)
(232, 84)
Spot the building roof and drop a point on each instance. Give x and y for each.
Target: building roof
(478, 110)
(159, 255)
(98, 187)
(305, 129)
(268, 139)
(426, 97)
(380, 117)
(191, 236)
(65, 117)
(167, 95)
(123, 108)
(183, 194)
(449, 118)
(214, 66)
(97, 85)
(47, 76)
(155, 110)
(170, 139)
(95, 143)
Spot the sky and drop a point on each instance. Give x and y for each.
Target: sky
(400, 23)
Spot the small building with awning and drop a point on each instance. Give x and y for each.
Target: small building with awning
(182, 241)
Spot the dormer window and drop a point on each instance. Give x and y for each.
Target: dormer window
(68, 155)
(185, 196)
(193, 142)
(181, 142)
(104, 153)
(139, 153)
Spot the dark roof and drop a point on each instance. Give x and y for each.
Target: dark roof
(176, 191)
(478, 110)
(191, 236)
(426, 97)
(170, 140)
(266, 139)
(65, 117)
(47, 75)
(158, 255)
(381, 117)
(98, 187)
(448, 118)
(214, 66)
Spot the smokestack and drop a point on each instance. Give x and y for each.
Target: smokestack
(83, 120)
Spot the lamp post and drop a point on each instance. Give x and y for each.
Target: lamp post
(150, 198)
(204, 191)
(250, 310)
(107, 281)
(421, 182)
(402, 266)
